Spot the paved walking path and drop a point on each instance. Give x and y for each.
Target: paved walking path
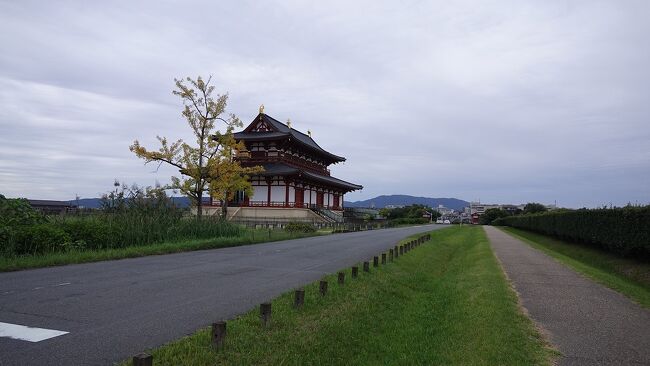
(589, 323)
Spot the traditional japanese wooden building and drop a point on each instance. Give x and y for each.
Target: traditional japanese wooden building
(296, 183)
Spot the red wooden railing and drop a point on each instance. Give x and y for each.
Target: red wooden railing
(278, 204)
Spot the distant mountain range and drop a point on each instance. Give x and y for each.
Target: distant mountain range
(378, 202)
(401, 199)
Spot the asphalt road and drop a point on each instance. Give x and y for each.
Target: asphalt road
(115, 309)
(589, 323)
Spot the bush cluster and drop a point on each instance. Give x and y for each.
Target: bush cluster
(407, 221)
(299, 227)
(624, 231)
(140, 220)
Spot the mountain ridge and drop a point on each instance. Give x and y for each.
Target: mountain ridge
(403, 199)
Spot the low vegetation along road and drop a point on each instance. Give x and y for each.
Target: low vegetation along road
(100, 313)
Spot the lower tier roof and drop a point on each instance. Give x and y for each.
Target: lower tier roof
(271, 169)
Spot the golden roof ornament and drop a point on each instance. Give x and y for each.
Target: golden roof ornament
(289, 123)
(261, 108)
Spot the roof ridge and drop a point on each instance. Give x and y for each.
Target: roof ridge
(291, 129)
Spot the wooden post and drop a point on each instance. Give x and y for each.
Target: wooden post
(218, 334)
(341, 278)
(142, 359)
(391, 254)
(265, 314)
(299, 298)
(366, 267)
(323, 288)
(375, 261)
(355, 271)
(383, 258)
(396, 250)
(401, 250)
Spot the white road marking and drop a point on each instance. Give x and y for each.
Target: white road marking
(15, 331)
(62, 284)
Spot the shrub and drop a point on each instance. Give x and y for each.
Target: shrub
(37, 239)
(407, 221)
(624, 231)
(18, 212)
(492, 214)
(93, 232)
(299, 227)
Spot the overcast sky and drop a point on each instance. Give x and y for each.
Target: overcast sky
(502, 101)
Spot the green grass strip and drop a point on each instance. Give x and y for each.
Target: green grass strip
(251, 236)
(627, 276)
(446, 302)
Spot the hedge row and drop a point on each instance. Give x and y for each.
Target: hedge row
(406, 221)
(624, 231)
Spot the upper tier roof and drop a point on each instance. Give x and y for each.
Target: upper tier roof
(280, 131)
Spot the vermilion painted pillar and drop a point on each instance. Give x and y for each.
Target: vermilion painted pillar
(286, 193)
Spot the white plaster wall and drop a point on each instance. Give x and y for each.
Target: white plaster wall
(313, 197)
(277, 193)
(292, 195)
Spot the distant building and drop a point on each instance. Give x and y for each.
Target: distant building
(296, 184)
(476, 209)
(394, 206)
(444, 210)
(49, 207)
(480, 208)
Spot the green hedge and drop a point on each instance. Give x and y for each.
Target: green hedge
(299, 227)
(624, 231)
(406, 221)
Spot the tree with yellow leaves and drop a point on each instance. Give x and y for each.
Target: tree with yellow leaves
(209, 166)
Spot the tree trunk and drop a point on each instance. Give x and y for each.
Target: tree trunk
(199, 205)
(224, 207)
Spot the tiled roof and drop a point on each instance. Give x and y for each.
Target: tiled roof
(271, 169)
(281, 130)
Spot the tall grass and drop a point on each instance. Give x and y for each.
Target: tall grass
(144, 218)
(102, 231)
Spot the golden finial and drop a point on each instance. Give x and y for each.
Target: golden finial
(289, 122)
(309, 133)
(261, 108)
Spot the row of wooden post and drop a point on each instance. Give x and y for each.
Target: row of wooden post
(219, 328)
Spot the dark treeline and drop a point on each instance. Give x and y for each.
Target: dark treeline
(624, 231)
(407, 215)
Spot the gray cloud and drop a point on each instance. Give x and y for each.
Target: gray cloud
(503, 101)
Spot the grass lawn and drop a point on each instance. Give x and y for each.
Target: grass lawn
(628, 276)
(445, 302)
(57, 259)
